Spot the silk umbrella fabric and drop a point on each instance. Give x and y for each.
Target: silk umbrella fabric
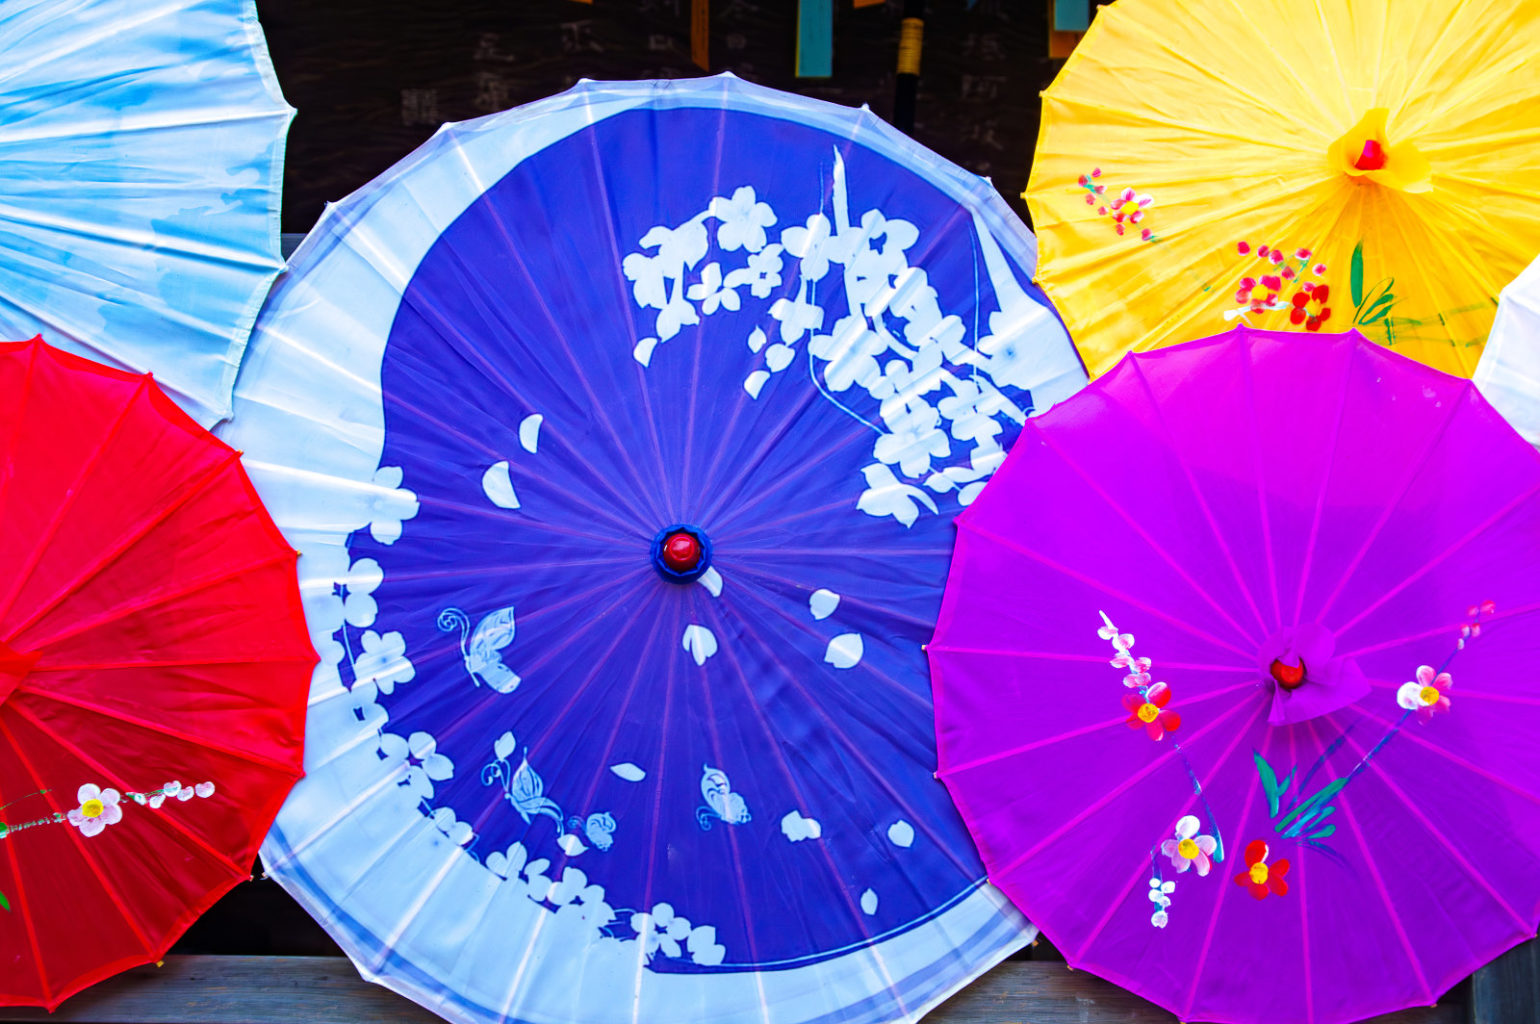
(153, 669)
(142, 163)
(622, 435)
(1243, 718)
(1509, 372)
(1371, 164)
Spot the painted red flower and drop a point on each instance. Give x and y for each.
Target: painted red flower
(1148, 712)
(1260, 876)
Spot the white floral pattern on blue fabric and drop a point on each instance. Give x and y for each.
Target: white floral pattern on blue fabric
(389, 505)
(941, 408)
(383, 663)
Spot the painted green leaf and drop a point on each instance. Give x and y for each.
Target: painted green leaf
(1356, 280)
(5, 904)
(1327, 831)
(1310, 806)
(1269, 782)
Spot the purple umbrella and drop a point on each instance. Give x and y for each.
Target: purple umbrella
(1309, 792)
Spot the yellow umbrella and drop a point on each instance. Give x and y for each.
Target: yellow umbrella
(1315, 164)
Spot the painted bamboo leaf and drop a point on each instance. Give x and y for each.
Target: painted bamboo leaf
(1356, 276)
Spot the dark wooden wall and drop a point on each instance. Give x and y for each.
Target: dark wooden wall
(373, 78)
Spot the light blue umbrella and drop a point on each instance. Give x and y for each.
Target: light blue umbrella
(141, 157)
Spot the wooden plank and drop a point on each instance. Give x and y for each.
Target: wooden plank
(327, 990)
(1508, 988)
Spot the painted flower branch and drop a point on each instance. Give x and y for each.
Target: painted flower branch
(1147, 706)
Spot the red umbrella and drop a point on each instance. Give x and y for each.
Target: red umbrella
(154, 665)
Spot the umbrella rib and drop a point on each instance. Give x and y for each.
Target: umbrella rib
(41, 58)
(1143, 534)
(1192, 484)
(104, 666)
(771, 524)
(593, 403)
(808, 631)
(1303, 901)
(8, 470)
(85, 851)
(141, 239)
(1186, 808)
(1429, 290)
(1428, 826)
(1165, 122)
(87, 759)
(1465, 694)
(1084, 658)
(855, 751)
(116, 715)
(471, 354)
(1428, 566)
(422, 696)
(206, 117)
(1379, 884)
(1326, 479)
(626, 296)
(1213, 922)
(1122, 719)
(789, 288)
(40, 546)
(188, 492)
(968, 524)
(1453, 758)
(781, 742)
(1248, 19)
(845, 599)
(122, 611)
(472, 443)
(26, 904)
(1449, 630)
(670, 681)
(1157, 762)
(708, 719)
(1248, 371)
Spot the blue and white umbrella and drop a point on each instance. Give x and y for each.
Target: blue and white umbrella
(141, 157)
(622, 436)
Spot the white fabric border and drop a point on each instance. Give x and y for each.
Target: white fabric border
(1508, 375)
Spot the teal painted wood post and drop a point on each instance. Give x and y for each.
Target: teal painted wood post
(815, 38)
(1071, 15)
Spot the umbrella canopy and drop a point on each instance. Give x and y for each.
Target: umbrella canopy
(1273, 806)
(622, 435)
(1371, 165)
(142, 162)
(153, 664)
(1509, 371)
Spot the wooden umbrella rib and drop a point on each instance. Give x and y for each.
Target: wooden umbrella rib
(122, 611)
(20, 579)
(191, 490)
(117, 715)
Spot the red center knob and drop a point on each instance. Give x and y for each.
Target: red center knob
(1372, 158)
(681, 551)
(1290, 677)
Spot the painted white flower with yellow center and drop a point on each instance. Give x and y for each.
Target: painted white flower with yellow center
(98, 809)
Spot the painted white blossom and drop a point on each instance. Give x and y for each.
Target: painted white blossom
(383, 662)
(711, 293)
(390, 504)
(743, 220)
